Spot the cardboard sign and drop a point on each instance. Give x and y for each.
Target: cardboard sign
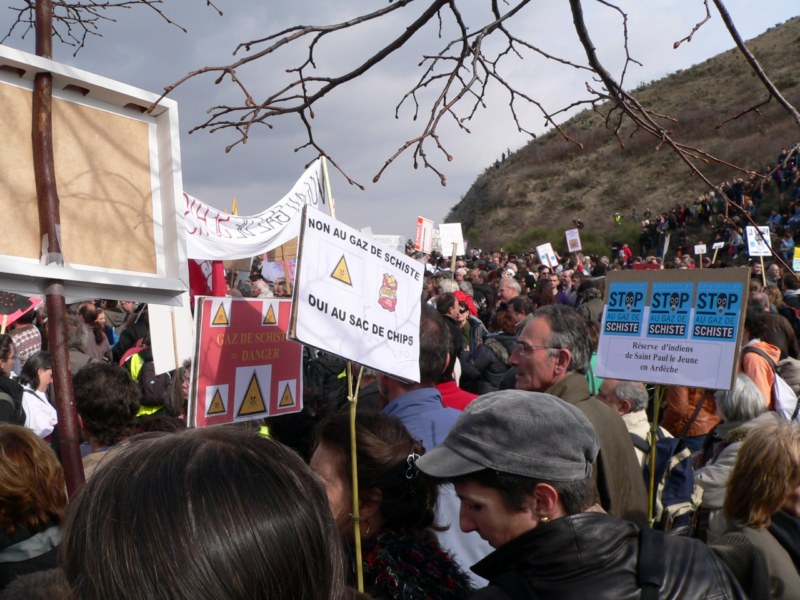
(450, 234)
(424, 240)
(675, 327)
(699, 248)
(756, 245)
(244, 367)
(717, 245)
(547, 255)
(356, 298)
(573, 240)
(796, 260)
(172, 335)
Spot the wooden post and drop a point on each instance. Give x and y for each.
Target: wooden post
(49, 228)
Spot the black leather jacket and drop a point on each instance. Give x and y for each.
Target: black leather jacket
(594, 555)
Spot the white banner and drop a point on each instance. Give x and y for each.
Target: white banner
(212, 234)
(356, 298)
(451, 234)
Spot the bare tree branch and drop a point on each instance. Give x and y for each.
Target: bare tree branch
(75, 22)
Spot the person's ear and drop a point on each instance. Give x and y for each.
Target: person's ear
(546, 502)
(625, 406)
(563, 360)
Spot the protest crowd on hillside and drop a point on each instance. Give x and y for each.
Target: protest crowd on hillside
(510, 471)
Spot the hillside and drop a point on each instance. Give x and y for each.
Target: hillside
(539, 190)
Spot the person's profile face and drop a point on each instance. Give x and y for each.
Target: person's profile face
(536, 368)
(483, 510)
(327, 462)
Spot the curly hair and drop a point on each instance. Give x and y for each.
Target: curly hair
(32, 491)
(107, 399)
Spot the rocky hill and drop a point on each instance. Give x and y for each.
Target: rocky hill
(539, 190)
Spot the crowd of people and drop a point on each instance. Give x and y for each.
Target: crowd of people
(509, 471)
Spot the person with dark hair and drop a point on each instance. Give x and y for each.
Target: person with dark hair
(449, 307)
(401, 559)
(419, 407)
(758, 352)
(35, 378)
(483, 370)
(453, 395)
(26, 337)
(107, 400)
(212, 513)
(552, 355)
(41, 585)
(521, 463)
(11, 410)
(95, 342)
(32, 501)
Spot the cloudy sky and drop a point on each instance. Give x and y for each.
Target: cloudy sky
(356, 124)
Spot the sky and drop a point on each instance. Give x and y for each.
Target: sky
(356, 124)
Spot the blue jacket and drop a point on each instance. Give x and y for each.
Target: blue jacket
(423, 414)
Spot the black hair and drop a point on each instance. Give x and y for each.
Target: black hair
(29, 375)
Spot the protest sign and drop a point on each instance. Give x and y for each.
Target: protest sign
(424, 240)
(699, 248)
(117, 168)
(395, 242)
(547, 255)
(244, 367)
(356, 298)
(216, 235)
(675, 327)
(717, 245)
(573, 240)
(796, 260)
(756, 244)
(172, 335)
(451, 234)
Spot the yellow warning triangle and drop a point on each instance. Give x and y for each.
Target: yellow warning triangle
(253, 401)
(341, 272)
(269, 318)
(286, 398)
(217, 406)
(220, 318)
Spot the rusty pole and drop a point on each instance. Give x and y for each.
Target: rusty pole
(49, 227)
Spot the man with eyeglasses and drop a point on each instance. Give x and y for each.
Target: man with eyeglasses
(552, 355)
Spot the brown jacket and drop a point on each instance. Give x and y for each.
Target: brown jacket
(616, 473)
(681, 404)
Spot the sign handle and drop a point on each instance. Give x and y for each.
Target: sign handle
(714, 259)
(763, 273)
(651, 489)
(328, 186)
(352, 397)
(453, 259)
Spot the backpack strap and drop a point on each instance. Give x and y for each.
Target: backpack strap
(640, 443)
(695, 414)
(763, 355)
(650, 564)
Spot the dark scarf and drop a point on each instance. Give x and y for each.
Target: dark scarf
(410, 567)
(786, 529)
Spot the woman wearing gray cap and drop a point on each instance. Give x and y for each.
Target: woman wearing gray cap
(521, 463)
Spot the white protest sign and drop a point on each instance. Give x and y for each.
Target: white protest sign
(396, 242)
(171, 333)
(573, 240)
(212, 234)
(356, 298)
(699, 248)
(674, 327)
(424, 239)
(756, 245)
(717, 245)
(451, 234)
(547, 255)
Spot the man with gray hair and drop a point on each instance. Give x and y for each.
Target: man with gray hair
(629, 399)
(552, 355)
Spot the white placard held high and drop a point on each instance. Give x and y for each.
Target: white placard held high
(356, 298)
(451, 234)
(573, 240)
(756, 244)
(547, 255)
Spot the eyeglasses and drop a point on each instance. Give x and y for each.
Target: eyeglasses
(462, 310)
(526, 349)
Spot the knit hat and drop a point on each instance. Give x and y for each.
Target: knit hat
(517, 432)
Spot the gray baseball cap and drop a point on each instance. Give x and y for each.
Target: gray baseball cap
(522, 433)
